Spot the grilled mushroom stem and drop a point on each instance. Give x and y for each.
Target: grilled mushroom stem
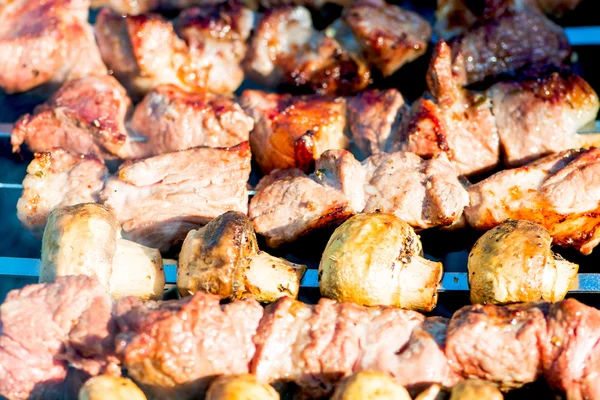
(370, 385)
(106, 387)
(85, 239)
(223, 258)
(376, 259)
(475, 389)
(513, 263)
(240, 387)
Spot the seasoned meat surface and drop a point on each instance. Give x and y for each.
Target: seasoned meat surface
(173, 119)
(498, 344)
(293, 131)
(46, 327)
(540, 116)
(561, 192)
(159, 199)
(46, 42)
(285, 49)
(54, 179)
(145, 51)
(175, 349)
(387, 36)
(455, 121)
(85, 116)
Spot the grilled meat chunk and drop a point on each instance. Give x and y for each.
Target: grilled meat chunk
(388, 36)
(54, 179)
(455, 121)
(317, 346)
(571, 360)
(173, 350)
(537, 117)
(144, 51)
(286, 49)
(46, 42)
(85, 116)
(512, 41)
(498, 344)
(560, 192)
(375, 118)
(158, 200)
(293, 131)
(46, 327)
(172, 119)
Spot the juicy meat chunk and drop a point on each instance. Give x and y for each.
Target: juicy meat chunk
(174, 349)
(145, 51)
(286, 49)
(46, 327)
(317, 346)
(388, 36)
(572, 352)
(46, 42)
(513, 41)
(423, 193)
(375, 118)
(85, 116)
(293, 131)
(560, 192)
(55, 179)
(501, 344)
(455, 121)
(537, 117)
(158, 200)
(173, 119)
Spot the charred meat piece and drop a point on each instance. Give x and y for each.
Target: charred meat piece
(285, 49)
(498, 344)
(537, 117)
(572, 354)
(515, 40)
(54, 179)
(85, 116)
(293, 131)
(46, 42)
(46, 327)
(388, 36)
(560, 192)
(174, 350)
(375, 118)
(173, 119)
(145, 51)
(455, 121)
(158, 200)
(317, 346)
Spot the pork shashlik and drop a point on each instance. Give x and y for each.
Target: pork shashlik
(313, 346)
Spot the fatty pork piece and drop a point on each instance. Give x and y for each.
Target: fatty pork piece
(571, 360)
(561, 192)
(47, 327)
(158, 200)
(145, 51)
(386, 35)
(537, 117)
(55, 179)
(85, 116)
(46, 42)
(174, 349)
(172, 119)
(452, 120)
(498, 344)
(424, 193)
(293, 131)
(286, 49)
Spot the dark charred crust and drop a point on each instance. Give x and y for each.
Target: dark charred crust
(215, 19)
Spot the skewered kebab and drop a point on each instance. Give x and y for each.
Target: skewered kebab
(46, 43)
(314, 346)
